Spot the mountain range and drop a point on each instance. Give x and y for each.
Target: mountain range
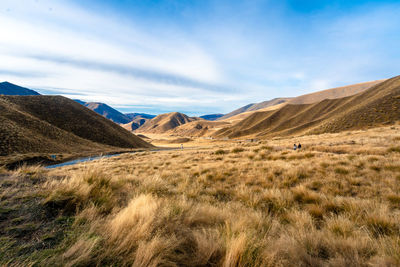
(324, 111)
(106, 111)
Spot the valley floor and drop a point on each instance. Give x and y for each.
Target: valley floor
(334, 203)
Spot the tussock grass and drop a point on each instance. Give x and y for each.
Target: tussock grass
(237, 150)
(220, 152)
(325, 206)
(394, 149)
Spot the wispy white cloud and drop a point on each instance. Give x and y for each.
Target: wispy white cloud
(233, 54)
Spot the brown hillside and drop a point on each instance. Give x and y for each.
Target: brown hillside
(333, 93)
(198, 128)
(338, 92)
(379, 104)
(130, 126)
(269, 103)
(242, 116)
(137, 122)
(254, 107)
(165, 122)
(55, 124)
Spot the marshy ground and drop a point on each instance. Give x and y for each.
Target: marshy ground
(334, 203)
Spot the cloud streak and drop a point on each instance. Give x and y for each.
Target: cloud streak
(139, 73)
(206, 56)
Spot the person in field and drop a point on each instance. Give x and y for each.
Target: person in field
(299, 146)
(294, 147)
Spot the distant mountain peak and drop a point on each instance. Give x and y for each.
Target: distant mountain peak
(165, 122)
(212, 117)
(106, 111)
(7, 88)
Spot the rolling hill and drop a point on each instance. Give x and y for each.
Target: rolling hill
(55, 124)
(315, 97)
(7, 88)
(165, 122)
(242, 116)
(254, 107)
(377, 105)
(198, 128)
(334, 93)
(135, 124)
(130, 126)
(138, 119)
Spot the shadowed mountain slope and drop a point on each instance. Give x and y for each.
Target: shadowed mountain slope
(377, 105)
(212, 117)
(55, 124)
(108, 112)
(165, 122)
(7, 88)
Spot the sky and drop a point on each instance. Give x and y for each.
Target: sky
(197, 57)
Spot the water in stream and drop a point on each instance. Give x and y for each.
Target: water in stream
(75, 161)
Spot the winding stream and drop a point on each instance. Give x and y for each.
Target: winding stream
(75, 161)
(86, 159)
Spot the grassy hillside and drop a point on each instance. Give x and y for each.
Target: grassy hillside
(334, 203)
(269, 103)
(138, 120)
(55, 124)
(333, 93)
(375, 106)
(165, 122)
(253, 107)
(378, 105)
(198, 128)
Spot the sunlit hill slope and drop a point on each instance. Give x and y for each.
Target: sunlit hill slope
(375, 106)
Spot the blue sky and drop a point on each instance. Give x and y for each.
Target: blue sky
(196, 57)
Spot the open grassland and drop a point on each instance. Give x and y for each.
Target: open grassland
(335, 203)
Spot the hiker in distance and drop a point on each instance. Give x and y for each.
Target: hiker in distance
(299, 146)
(294, 147)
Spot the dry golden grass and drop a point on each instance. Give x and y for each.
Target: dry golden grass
(334, 203)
